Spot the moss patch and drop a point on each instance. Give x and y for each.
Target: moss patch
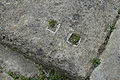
(13, 75)
(95, 62)
(112, 28)
(1, 69)
(74, 39)
(52, 23)
(119, 11)
(42, 76)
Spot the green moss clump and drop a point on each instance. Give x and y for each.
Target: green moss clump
(1, 68)
(13, 75)
(23, 77)
(119, 11)
(74, 39)
(112, 28)
(52, 23)
(42, 76)
(95, 62)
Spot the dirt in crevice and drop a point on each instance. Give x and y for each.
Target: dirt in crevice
(102, 47)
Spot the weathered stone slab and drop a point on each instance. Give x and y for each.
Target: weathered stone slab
(109, 68)
(24, 26)
(13, 61)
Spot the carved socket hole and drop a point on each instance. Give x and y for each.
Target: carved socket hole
(53, 26)
(74, 39)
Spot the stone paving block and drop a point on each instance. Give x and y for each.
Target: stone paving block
(109, 69)
(15, 62)
(23, 25)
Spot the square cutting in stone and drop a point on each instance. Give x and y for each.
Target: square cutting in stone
(53, 26)
(74, 39)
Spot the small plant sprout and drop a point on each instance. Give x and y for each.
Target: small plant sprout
(74, 39)
(112, 28)
(1, 68)
(52, 75)
(53, 26)
(119, 11)
(42, 75)
(95, 61)
(23, 77)
(13, 75)
(52, 23)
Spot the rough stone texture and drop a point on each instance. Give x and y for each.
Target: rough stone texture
(109, 69)
(13, 61)
(4, 76)
(23, 25)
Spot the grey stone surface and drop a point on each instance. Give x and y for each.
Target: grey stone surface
(13, 61)
(4, 76)
(23, 25)
(109, 69)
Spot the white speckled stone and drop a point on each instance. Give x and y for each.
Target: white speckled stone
(23, 25)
